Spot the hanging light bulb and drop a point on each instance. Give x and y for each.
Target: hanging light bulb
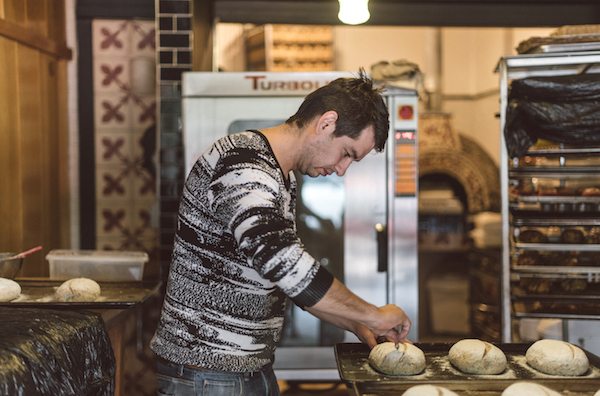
(354, 12)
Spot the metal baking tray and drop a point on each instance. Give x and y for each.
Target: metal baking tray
(39, 293)
(560, 247)
(571, 47)
(553, 172)
(354, 369)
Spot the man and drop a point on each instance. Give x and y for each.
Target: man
(237, 256)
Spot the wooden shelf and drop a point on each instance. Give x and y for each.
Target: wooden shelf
(289, 48)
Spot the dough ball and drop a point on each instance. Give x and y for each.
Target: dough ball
(78, 290)
(528, 389)
(428, 390)
(406, 360)
(474, 356)
(557, 357)
(9, 290)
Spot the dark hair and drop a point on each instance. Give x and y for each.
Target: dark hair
(357, 103)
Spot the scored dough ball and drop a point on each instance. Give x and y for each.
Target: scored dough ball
(406, 360)
(474, 356)
(9, 290)
(428, 390)
(528, 389)
(78, 290)
(557, 357)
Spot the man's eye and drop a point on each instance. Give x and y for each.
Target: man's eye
(346, 154)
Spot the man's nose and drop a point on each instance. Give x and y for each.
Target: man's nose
(342, 166)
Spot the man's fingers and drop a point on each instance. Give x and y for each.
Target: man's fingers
(398, 334)
(403, 332)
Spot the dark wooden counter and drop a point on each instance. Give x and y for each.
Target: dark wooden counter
(105, 332)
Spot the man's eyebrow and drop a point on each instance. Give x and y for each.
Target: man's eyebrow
(353, 154)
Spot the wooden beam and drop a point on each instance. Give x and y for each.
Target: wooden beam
(35, 40)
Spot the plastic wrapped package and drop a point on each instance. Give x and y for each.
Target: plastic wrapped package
(561, 109)
(54, 352)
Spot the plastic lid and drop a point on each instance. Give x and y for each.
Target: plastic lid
(97, 255)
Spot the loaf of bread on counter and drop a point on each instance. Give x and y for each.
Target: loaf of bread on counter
(407, 359)
(78, 290)
(524, 388)
(474, 356)
(9, 290)
(557, 357)
(428, 390)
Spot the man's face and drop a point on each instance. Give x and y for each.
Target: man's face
(330, 154)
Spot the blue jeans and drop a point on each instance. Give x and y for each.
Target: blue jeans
(179, 380)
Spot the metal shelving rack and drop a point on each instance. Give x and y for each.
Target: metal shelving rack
(530, 65)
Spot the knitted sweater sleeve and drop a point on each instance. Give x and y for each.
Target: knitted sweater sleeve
(249, 194)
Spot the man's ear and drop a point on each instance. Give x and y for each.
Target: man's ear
(326, 123)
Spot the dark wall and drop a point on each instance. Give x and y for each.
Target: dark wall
(467, 13)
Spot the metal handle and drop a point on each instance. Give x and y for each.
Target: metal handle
(382, 247)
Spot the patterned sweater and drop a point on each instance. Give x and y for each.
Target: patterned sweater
(236, 257)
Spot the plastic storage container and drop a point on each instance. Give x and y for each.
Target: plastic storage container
(99, 265)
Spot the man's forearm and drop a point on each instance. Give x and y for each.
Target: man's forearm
(341, 305)
(340, 301)
(361, 331)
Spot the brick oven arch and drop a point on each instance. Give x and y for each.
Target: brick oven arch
(471, 166)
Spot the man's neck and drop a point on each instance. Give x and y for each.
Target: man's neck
(284, 141)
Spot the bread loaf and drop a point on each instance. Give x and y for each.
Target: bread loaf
(474, 356)
(528, 389)
(532, 236)
(428, 390)
(78, 290)
(9, 290)
(556, 357)
(406, 360)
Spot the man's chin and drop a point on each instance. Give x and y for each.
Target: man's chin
(312, 173)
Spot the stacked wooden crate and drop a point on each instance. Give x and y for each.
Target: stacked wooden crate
(286, 48)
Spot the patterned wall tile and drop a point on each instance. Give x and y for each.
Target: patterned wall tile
(114, 220)
(113, 146)
(143, 38)
(141, 221)
(114, 184)
(143, 112)
(124, 53)
(144, 187)
(111, 38)
(111, 74)
(112, 110)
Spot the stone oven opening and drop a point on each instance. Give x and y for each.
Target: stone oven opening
(457, 179)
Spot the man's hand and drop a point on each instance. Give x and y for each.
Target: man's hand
(394, 324)
(389, 315)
